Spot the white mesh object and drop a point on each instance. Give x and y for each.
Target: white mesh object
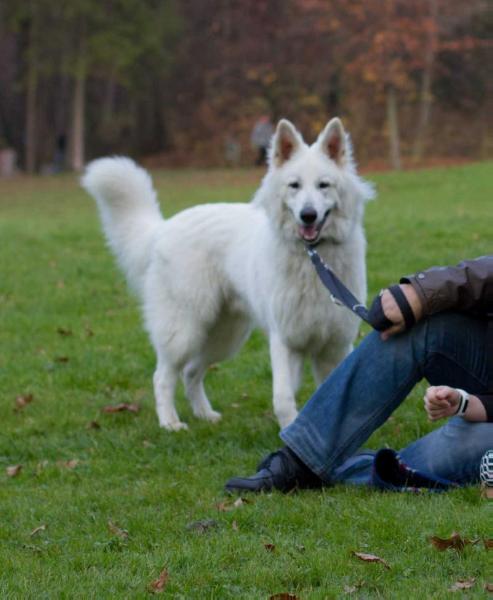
(486, 468)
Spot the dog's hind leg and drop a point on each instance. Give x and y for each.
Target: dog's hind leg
(286, 375)
(193, 379)
(325, 362)
(165, 379)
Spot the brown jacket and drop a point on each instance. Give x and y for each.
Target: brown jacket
(468, 287)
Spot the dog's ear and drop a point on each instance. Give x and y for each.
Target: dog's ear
(285, 143)
(332, 141)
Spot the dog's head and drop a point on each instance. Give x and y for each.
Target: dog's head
(313, 192)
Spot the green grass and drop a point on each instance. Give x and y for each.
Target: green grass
(56, 273)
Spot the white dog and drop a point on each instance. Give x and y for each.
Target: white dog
(211, 273)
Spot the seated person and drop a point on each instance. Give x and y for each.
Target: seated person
(451, 346)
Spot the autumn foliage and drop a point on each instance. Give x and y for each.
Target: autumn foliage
(182, 82)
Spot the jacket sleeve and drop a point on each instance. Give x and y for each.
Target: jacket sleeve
(487, 402)
(468, 286)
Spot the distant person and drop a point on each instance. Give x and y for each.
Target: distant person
(60, 152)
(262, 133)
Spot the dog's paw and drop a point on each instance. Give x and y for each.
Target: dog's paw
(211, 415)
(174, 426)
(286, 418)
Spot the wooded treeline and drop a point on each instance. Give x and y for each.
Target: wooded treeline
(183, 81)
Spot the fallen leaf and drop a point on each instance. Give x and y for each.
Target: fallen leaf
(284, 596)
(122, 406)
(115, 530)
(270, 547)
(202, 526)
(61, 359)
(488, 543)
(93, 425)
(227, 506)
(89, 332)
(23, 400)
(157, 586)
(370, 558)
(64, 332)
(13, 470)
(455, 541)
(462, 584)
(488, 587)
(68, 464)
(37, 530)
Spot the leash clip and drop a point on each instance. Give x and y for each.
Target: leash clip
(336, 300)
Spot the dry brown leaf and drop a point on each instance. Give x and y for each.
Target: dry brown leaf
(64, 332)
(270, 547)
(157, 586)
(115, 530)
(227, 506)
(37, 530)
(284, 596)
(455, 541)
(371, 558)
(23, 400)
(61, 359)
(93, 425)
(122, 406)
(462, 584)
(488, 543)
(488, 587)
(13, 470)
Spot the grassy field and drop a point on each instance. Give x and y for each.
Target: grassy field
(116, 495)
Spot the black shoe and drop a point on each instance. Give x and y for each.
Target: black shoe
(281, 470)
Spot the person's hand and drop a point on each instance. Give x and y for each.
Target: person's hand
(393, 312)
(441, 401)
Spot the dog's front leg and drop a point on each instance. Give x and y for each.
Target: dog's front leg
(286, 374)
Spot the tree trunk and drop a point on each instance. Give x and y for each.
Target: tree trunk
(426, 82)
(393, 127)
(31, 98)
(78, 121)
(31, 93)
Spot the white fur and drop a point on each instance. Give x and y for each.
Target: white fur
(211, 273)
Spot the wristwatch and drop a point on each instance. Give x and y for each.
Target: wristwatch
(464, 402)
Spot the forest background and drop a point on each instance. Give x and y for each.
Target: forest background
(181, 83)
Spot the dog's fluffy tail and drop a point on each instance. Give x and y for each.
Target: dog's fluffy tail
(129, 212)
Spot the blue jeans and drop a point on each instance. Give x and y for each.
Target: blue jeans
(364, 390)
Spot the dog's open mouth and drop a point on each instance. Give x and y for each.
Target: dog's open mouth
(311, 233)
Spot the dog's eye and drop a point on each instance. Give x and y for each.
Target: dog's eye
(323, 185)
(294, 185)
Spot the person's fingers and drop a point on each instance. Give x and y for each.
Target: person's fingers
(385, 335)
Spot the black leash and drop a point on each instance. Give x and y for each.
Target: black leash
(339, 293)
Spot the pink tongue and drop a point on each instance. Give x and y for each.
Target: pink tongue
(308, 232)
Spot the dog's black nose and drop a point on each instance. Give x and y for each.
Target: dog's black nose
(308, 215)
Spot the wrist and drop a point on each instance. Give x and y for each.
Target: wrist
(463, 402)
